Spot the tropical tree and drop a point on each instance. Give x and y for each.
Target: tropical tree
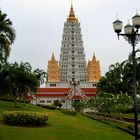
(7, 36)
(26, 80)
(112, 81)
(18, 80)
(138, 72)
(40, 74)
(119, 78)
(110, 103)
(4, 72)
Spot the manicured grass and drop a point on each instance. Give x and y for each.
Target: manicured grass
(60, 127)
(130, 115)
(126, 126)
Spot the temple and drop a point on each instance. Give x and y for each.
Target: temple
(70, 79)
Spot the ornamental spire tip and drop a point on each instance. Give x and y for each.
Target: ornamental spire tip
(71, 17)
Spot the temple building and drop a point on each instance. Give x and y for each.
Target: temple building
(70, 79)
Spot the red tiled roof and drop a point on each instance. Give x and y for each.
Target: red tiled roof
(90, 92)
(79, 97)
(64, 89)
(62, 95)
(50, 95)
(53, 89)
(88, 89)
(29, 97)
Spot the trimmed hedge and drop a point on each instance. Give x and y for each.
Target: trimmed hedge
(11, 100)
(25, 118)
(68, 112)
(47, 106)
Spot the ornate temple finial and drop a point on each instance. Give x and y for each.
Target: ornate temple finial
(71, 6)
(71, 17)
(53, 58)
(94, 57)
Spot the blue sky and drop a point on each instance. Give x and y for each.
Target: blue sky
(39, 27)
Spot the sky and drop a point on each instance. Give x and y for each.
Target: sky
(39, 28)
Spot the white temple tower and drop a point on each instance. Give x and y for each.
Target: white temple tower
(72, 56)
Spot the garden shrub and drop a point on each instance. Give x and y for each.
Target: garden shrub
(6, 99)
(68, 112)
(11, 100)
(130, 127)
(25, 118)
(57, 103)
(47, 106)
(110, 103)
(23, 101)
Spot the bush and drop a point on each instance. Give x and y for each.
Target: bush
(68, 112)
(57, 103)
(47, 106)
(25, 118)
(11, 100)
(78, 106)
(6, 99)
(23, 101)
(110, 103)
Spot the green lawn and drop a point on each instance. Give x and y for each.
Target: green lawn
(60, 127)
(130, 115)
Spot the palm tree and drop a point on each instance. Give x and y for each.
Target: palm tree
(112, 81)
(116, 78)
(41, 75)
(4, 72)
(7, 36)
(127, 77)
(138, 72)
(24, 70)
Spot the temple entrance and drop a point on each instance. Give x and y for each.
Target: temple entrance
(77, 101)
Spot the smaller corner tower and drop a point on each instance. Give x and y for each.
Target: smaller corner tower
(53, 70)
(93, 70)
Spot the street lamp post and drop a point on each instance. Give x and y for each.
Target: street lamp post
(131, 34)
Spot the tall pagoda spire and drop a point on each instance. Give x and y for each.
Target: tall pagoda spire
(72, 58)
(71, 17)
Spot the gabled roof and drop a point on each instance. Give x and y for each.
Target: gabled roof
(64, 95)
(50, 95)
(53, 89)
(64, 89)
(89, 89)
